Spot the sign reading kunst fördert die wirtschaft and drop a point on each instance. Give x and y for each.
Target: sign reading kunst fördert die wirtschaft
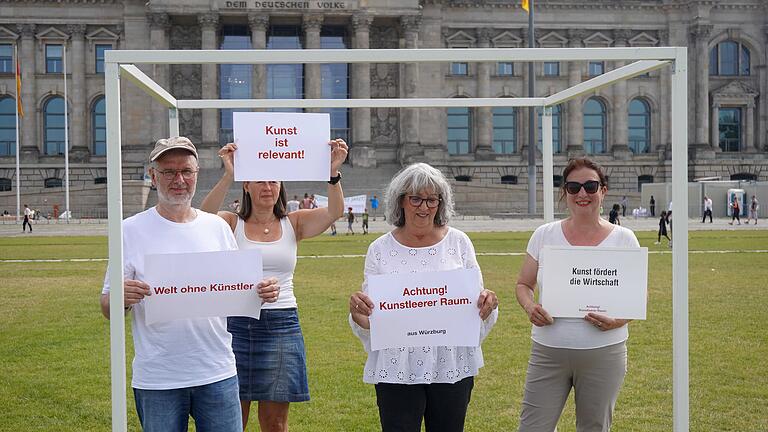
(425, 309)
(578, 280)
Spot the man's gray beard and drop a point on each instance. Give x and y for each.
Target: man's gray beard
(175, 200)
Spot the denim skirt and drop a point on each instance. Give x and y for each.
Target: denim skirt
(270, 356)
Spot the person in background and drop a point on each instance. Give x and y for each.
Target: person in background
(587, 354)
(707, 209)
(270, 354)
(350, 221)
(662, 228)
(754, 206)
(365, 221)
(306, 202)
(432, 384)
(292, 205)
(652, 205)
(27, 215)
(613, 216)
(624, 206)
(735, 210)
(374, 206)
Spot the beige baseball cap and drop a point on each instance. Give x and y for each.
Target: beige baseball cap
(165, 144)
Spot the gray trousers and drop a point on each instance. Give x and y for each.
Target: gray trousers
(596, 376)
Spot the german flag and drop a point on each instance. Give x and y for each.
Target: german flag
(19, 107)
(526, 6)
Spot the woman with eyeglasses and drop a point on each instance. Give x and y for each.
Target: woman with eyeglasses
(587, 354)
(429, 383)
(269, 352)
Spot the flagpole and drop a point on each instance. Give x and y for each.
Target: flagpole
(531, 119)
(66, 138)
(18, 168)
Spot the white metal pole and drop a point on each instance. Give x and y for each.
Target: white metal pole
(66, 136)
(548, 195)
(115, 230)
(173, 122)
(18, 167)
(680, 378)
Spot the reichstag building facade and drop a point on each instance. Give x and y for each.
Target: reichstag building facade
(626, 126)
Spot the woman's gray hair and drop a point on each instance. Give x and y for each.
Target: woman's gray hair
(411, 180)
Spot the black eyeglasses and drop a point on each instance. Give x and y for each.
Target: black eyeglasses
(417, 200)
(171, 174)
(590, 187)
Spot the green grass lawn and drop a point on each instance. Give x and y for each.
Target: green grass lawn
(54, 344)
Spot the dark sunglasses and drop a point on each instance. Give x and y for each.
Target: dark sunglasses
(590, 187)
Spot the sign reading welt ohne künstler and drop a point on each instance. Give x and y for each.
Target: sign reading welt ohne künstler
(202, 284)
(282, 146)
(431, 308)
(577, 280)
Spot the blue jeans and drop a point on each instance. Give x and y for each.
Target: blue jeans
(215, 407)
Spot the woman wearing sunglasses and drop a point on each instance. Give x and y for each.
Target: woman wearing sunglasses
(587, 354)
(430, 383)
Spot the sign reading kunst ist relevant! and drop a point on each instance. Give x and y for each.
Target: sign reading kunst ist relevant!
(282, 146)
(421, 309)
(202, 284)
(577, 280)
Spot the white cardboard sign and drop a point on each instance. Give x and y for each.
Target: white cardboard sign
(577, 280)
(282, 146)
(357, 202)
(204, 284)
(424, 309)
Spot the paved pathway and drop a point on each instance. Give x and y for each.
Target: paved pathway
(468, 224)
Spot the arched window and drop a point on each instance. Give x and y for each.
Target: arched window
(729, 128)
(52, 182)
(6, 185)
(639, 126)
(643, 179)
(459, 131)
(54, 126)
(99, 128)
(504, 130)
(7, 126)
(509, 179)
(729, 58)
(555, 130)
(594, 126)
(744, 177)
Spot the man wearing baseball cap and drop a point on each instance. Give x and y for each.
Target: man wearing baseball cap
(182, 367)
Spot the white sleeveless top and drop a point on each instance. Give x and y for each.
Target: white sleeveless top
(279, 259)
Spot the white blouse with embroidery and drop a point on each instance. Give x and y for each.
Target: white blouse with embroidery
(425, 364)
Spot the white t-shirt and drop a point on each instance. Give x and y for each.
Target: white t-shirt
(291, 206)
(575, 333)
(186, 352)
(426, 364)
(27, 212)
(278, 259)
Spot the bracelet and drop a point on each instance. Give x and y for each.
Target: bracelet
(335, 179)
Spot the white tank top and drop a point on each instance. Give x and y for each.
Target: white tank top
(279, 259)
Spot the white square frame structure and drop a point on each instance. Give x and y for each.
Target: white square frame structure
(123, 63)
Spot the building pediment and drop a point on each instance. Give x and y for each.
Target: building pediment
(643, 39)
(7, 34)
(552, 39)
(507, 40)
(102, 33)
(598, 39)
(459, 39)
(52, 33)
(736, 89)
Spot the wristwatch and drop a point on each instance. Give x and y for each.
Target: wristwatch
(336, 179)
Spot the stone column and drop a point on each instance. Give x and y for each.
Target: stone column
(702, 149)
(259, 24)
(762, 141)
(664, 145)
(484, 117)
(619, 146)
(574, 118)
(362, 154)
(79, 148)
(209, 26)
(749, 125)
(410, 116)
(29, 149)
(312, 75)
(159, 24)
(714, 130)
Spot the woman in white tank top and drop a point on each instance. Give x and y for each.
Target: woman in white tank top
(270, 355)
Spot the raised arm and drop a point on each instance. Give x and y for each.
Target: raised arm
(215, 198)
(526, 282)
(312, 222)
